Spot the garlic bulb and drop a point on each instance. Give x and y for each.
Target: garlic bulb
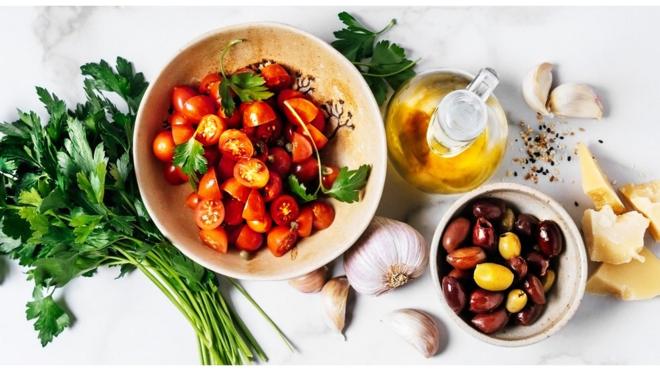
(575, 100)
(387, 255)
(334, 297)
(536, 87)
(312, 281)
(418, 328)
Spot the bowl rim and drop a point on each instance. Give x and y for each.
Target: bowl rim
(377, 183)
(572, 229)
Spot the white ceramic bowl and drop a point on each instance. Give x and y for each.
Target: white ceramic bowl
(566, 295)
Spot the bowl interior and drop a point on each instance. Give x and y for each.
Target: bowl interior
(320, 71)
(565, 296)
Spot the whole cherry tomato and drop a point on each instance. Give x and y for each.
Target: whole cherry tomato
(307, 171)
(301, 148)
(174, 175)
(236, 144)
(279, 160)
(209, 129)
(215, 239)
(273, 188)
(260, 150)
(209, 214)
(284, 210)
(255, 207)
(329, 175)
(235, 189)
(304, 108)
(180, 94)
(287, 94)
(198, 106)
(208, 188)
(233, 211)
(324, 214)
(266, 132)
(276, 77)
(212, 155)
(249, 240)
(261, 226)
(304, 222)
(258, 113)
(281, 239)
(163, 146)
(232, 121)
(193, 200)
(206, 83)
(178, 119)
(251, 172)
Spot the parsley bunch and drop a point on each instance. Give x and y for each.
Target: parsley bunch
(69, 205)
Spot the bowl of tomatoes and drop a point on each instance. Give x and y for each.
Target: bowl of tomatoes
(260, 152)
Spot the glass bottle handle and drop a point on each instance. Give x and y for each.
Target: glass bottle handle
(484, 83)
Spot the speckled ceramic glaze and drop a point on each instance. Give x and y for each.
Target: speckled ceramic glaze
(566, 295)
(320, 71)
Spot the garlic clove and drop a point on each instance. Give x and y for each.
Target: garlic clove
(536, 87)
(312, 281)
(575, 100)
(418, 328)
(334, 297)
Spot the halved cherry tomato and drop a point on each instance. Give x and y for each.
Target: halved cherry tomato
(215, 239)
(279, 160)
(209, 214)
(255, 207)
(287, 94)
(319, 139)
(235, 189)
(236, 144)
(212, 155)
(226, 167)
(180, 94)
(284, 209)
(174, 175)
(276, 76)
(307, 171)
(251, 172)
(178, 119)
(324, 214)
(266, 132)
(301, 148)
(232, 121)
(249, 240)
(182, 133)
(304, 221)
(319, 121)
(261, 226)
(193, 200)
(258, 113)
(305, 109)
(281, 239)
(273, 188)
(198, 106)
(163, 146)
(209, 129)
(209, 188)
(205, 84)
(329, 174)
(214, 92)
(233, 211)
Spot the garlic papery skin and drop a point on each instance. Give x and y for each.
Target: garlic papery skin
(418, 328)
(312, 281)
(536, 87)
(334, 298)
(388, 255)
(575, 100)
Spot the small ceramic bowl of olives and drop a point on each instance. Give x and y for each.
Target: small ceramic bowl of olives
(509, 264)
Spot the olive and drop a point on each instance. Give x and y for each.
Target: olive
(509, 245)
(516, 300)
(529, 315)
(454, 293)
(537, 263)
(518, 265)
(508, 219)
(548, 280)
(493, 277)
(525, 225)
(466, 257)
(534, 289)
(482, 301)
(549, 238)
(490, 322)
(455, 234)
(483, 234)
(460, 274)
(489, 208)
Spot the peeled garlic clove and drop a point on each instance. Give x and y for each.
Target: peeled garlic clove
(311, 282)
(536, 87)
(334, 297)
(575, 100)
(418, 328)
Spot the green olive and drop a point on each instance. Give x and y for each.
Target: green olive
(516, 300)
(508, 219)
(509, 245)
(493, 277)
(548, 280)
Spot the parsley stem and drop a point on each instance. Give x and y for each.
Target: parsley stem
(301, 122)
(224, 54)
(407, 66)
(391, 24)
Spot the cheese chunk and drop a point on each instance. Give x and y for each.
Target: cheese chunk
(632, 281)
(614, 239)
(594, 182)
(645, 198)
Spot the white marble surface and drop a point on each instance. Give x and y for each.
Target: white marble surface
(129, 321)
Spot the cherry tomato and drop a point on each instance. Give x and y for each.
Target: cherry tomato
(209, 214)
(266, 132)
(208, 188)
(249, 240)
(180, 94)
(233, 212)
(236, 144)
(304, 221)
(232, 121)
(287, 94)
(255, 207)
(319, 139)
(211, 154)
(215, 239)
(258, 113)
(324, 214)
(307, 171)
(261, 226)
(260, 151)
(289, 129)
(174, 175)
(209, 129)
(329, 175)
(226, 167)
(198, 106)
(301, 148)
(280, 240)
(214, 92)
(273, 188)
(306, 110)
(233, 231)
(193, 200)
(276, 76)
(205, 84)
(182, 133)
(178, 119)
(319, 121)
(163, 146)
(279, 160)
(235, 189)
(251, 172)
(284, 210)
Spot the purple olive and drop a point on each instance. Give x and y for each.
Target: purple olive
(455, 234)
(534, 289)
(525, 225)
(537, 263)
(519, 266)
(489, 208)
(529, 315)
(483, 234)
(550, 239)
(482, 301)
(454, 293)
(490, 322)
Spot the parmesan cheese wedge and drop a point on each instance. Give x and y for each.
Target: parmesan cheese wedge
(645, 198)
(594, 182)
(633, 281)
(614, 239)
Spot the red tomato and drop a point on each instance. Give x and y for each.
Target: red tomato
(319, 121)
(287, 94)
(198, 106)
(205, 84)
(178, 119)
(251, 172)
(301, 148)
(208, 188)
(182, 133)
(236, 144)
(273, 188)
(306, 110)
(226, 167)
(215, 239)
(280, 240)
(249, 240)
(304, 221)
(324, 214)
(163, 146)
(266, 132)
(255, 207)
(284, 210)
(233, 230)
(261, 226)
(329, 175)
(209, 129)
(276, 76)
(279, 160)
(180, 94)
(260, 151)
(214, 92)
(258, 113)
(211, 154)
(174, 175)
(209, 214)
(232, 121)
(319, 139)
(233, 212)
(307, 171)
(236, 189)
(193, 200)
